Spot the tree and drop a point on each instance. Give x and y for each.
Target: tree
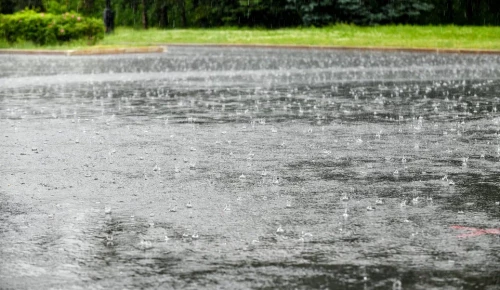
(31, 4)
(274, 13)
(406, 11)
(7, 7)
(469, 10)
(161, 10)
(315, 12)
(449, 11)
(144, 14)
(356, 11)
(182, 10)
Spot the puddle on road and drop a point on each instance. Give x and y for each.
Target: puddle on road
(237, 168)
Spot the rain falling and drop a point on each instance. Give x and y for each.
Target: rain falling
(237, 168)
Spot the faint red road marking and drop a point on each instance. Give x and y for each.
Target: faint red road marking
(474, 232)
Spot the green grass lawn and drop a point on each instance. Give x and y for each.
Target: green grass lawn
(441, 37)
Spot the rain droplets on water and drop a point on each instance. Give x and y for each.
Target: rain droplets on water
(240, 168)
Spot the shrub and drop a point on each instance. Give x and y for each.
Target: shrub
(45, 28)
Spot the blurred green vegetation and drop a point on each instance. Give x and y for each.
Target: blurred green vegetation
(46, 28)
(455, 24)
(273, 13)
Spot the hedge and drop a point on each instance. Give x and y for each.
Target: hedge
(46, 28)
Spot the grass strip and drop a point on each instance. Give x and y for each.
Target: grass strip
(386, 36)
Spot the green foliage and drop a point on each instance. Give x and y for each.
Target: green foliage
(7, 6)
(272, 13)
(464, 12)
(406, 11)
(55, 7)
(355, 11)
(362, 12)
(46, 28)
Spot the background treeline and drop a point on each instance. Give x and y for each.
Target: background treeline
(273, 13)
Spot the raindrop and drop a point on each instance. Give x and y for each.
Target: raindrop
(306, 235)
(145, 244)
(109, 240)
(397, 285)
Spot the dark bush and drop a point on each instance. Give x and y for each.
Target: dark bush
(45, 28)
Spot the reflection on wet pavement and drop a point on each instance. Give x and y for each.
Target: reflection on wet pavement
(250, 168)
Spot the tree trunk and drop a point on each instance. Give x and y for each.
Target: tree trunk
(144, 15)
(88, 6)
(182, 4)
(449, 11)
(32, 4)
(469, 11)
(163, 15)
